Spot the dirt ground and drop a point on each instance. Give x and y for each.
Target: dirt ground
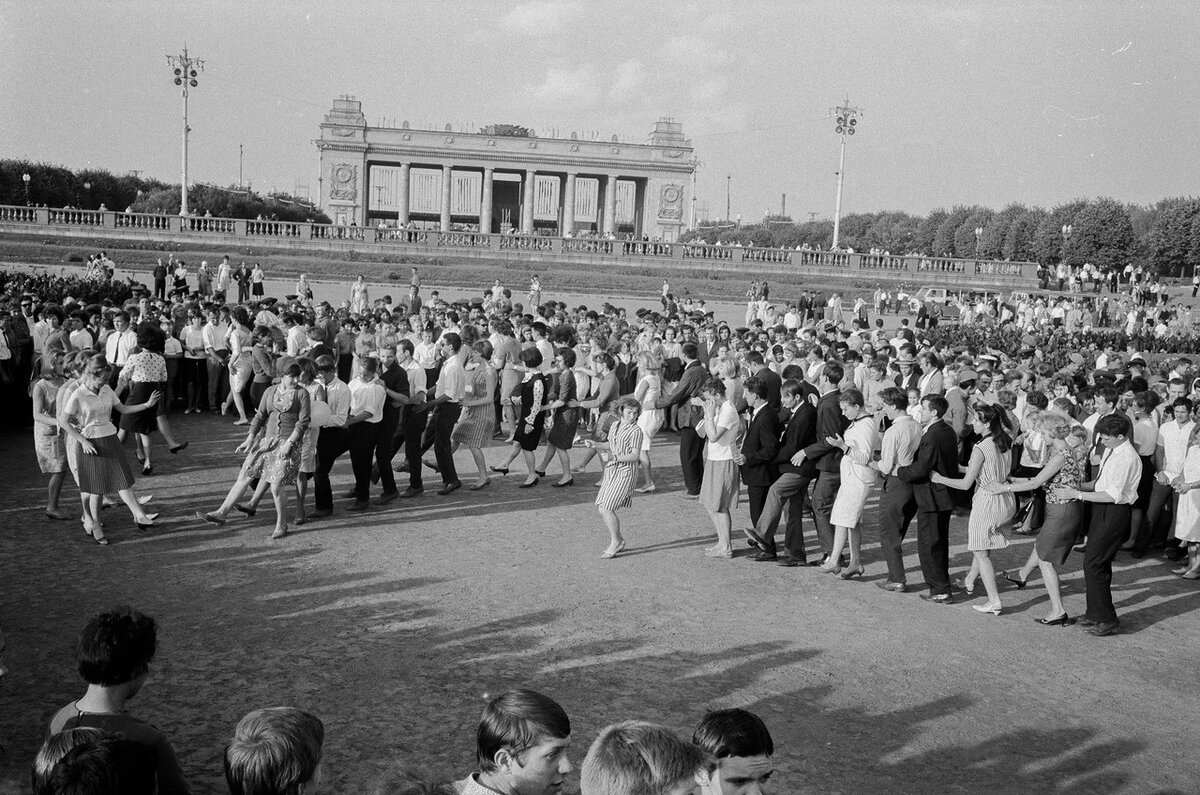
(394, 626)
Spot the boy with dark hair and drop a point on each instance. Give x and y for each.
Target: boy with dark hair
(521, 746)
(743, 748)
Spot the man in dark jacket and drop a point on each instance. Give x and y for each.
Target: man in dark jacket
(759, 447)
(691, 446)
(795, 474)
(937, 452)
(825, 457)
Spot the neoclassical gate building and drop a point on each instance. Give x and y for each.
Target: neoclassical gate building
(498, 181)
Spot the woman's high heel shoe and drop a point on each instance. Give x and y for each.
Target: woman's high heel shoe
(961, 585)
(499, 470)
(989, 609)
(558, 484)
(1019, 583)
(529, 484)
(1058, 621)
(847, 574)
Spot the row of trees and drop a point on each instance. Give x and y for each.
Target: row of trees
(1164, 237)
(56, 186)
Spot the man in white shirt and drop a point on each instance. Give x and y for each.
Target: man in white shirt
(216, 351)
(447, 406)
(412, 424)
(1169, 452)
(1112, 494)
(897, 506)
(119, 344)
(540, 334)
(333, 439)
(367, 396)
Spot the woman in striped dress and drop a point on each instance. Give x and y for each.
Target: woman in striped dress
(47, 436)
(477, 423)
(990, 464)
(620, 470)
(100, 458)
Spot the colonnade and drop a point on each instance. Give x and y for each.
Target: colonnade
(607, 222)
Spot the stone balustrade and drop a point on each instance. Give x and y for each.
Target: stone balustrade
(426, 242)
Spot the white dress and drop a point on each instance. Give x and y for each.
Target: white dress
(1187, 526)
(651, 419)
(857, 477)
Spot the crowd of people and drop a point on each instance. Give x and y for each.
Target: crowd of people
(804, 410)
(96, 746)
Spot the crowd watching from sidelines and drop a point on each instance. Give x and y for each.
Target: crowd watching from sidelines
(94, 746)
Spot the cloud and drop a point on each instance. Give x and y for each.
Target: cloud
(541, 17)
(578, 85)
(629, 80)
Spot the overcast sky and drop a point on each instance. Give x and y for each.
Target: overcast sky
(963, 101)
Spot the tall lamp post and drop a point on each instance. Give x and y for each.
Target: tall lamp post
(186, 71)
(847, 121)
(25, 178)
(1066, 234)
(87, 195)
(692, 213)
(728, 194)
(978, 239)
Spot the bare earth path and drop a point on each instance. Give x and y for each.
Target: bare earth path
(393, 625)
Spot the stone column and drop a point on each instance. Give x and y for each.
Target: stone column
(568, 211)
(446, 183)
(485, 209)
(402, 199)
(527, 204)
(610, 204)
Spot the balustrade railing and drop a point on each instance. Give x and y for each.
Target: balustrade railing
(18, 215)
(77, 217)
(775, 259)
(221, 226)
(273, 228)
(162, 223)
(527, 243)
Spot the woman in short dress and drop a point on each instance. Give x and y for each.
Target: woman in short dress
(858, 444)
(991, 463)
(262, 365)
(477, 422)
(1187, 525)
(646, 393)
(304, 291)
(318, 417)
(47, 435)
(257, 276)
(505, 359)
(722, 430)
(195, 361)
(100, 458)
(1063, 470)
(241, 336)
(360, 298)
(273, 449)
(620, 471)
(146, 373)
(529, 403)
(564, 419)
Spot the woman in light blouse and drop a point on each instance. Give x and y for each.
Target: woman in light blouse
(240, 369)
(858, 442)
(87, 420)
(195, 361)
(722, 431)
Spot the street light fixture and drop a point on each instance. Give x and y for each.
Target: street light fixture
(186, 71)
(1066, 234)
(978, 239)
(25, 178)
(846, 124)
(87, 195)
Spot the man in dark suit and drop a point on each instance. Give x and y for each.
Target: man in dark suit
(758, 367)
(691, 446)
(937, 452)
(910, 374)
(759, 447)
(825, 457)
(795, 474)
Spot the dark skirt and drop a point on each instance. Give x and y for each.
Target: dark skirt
(562, 432)
(528, 441)
(144, 421)
(1057, 536)
(106, 472)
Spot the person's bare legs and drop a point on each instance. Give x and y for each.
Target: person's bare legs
(644, 460)
(723, 523)
(131, 501)
(301, 496)
(231, 499)
(480, 465)
(258, 494)
(530, 466)
(168, 433)
(1053, 590)
(840, 536)
(987, 573)
(53, 492)
(564, 461)
(280, 495)
(615, 541)
(856, 548)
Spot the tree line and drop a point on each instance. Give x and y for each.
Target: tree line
(1163, 237)
(88, 189)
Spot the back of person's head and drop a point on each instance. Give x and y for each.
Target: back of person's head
(116, 647)
(55, 748)
(274, 751)
(516, 721)
(106, 766)
(400, 779)
(640, 758)
(724, 733)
